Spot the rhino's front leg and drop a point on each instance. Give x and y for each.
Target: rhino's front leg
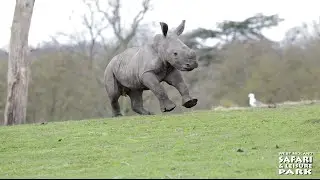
(137, 102)
(175, 79)
(151, 81)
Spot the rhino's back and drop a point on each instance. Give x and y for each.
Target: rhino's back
(130, 64)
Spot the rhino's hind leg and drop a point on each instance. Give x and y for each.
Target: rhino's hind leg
(137, 102)
(151, 81)
(115, 106)
(113, 93)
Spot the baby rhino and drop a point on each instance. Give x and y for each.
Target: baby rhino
(143, 68)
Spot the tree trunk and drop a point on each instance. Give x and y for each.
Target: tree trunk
(18, 75)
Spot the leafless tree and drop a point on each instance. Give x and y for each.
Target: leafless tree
(114, 19)
(18, 70)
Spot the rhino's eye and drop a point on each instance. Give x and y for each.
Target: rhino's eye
(175, 53)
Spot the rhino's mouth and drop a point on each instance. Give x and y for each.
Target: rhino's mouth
(186, 69)
(189, 66)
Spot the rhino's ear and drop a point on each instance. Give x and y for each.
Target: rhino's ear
(164, 28)
(180, 28)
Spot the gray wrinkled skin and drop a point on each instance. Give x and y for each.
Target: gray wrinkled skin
(143, 68)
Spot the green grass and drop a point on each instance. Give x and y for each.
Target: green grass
(201, 144)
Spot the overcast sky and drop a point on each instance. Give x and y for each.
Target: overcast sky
(51, 16)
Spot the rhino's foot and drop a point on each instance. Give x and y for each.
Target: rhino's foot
(117, 115)
(190, 103)
(168, 106)
(149, 113)
(143, 112)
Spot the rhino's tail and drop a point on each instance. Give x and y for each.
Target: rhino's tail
(110, 83)
(108, 78)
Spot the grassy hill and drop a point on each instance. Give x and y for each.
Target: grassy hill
(204, 144)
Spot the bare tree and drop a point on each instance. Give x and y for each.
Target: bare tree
(18, 72)
(100, 18)
(114, 19)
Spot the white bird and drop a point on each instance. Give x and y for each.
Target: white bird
(253, 102)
